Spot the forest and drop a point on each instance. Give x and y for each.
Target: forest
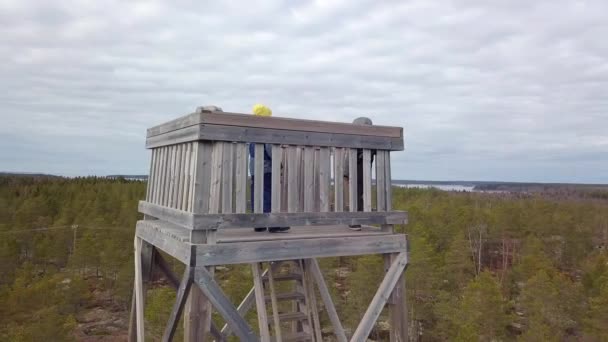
(483, 266)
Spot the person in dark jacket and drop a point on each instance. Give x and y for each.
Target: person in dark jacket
(261, 110)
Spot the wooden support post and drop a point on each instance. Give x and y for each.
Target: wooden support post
(394, 273)
(140, 292)
(397, 309)
(260, 302)
(312, 302)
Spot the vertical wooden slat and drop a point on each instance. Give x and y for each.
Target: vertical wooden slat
(275, 200)
(284, 178)
(202, 177)
(258, 186)
(367, 181)
(316, 195)
(300, 158)
(186, 172)
(227, 168)
(149, 187)
(338, 180)
(241, 178)
(172, 163)
(388, 181)
(292, 180)
(380, 184)
(157, 174)
(164, 183)
(216, 178)
(179, 189)
(352, 180)
(309, 200)
(324, 175)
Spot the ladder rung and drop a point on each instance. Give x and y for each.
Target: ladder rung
(295, 337)
(287, 296)
(282, 277)
(291, 316)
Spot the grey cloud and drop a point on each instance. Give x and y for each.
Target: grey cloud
(507, 90)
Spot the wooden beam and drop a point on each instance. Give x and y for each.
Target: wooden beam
(260, 302)
(175, 248)
(396, 306)
(249, 252)
(317, 275)
(214, 293)
(274, 136)
(224, 221)
(247, 120)
(139, 290)
(178, 306)
(275, 306)
(166, 270)
(175, 216)
(375, 308)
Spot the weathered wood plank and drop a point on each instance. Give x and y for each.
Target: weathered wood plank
(309, 168)
(149, 187)
(316, 170)
(312, 302)
(274, 136)
(164, 186)
(216, 178)
(227, 168)
(180, 176)
(260, 301)
(177, 249)
(338, 180)
(214, 293)
(202, 177)
(224, 221)
(375, 308)
(246, 120)
(258, 186)
(241, 178)
(139, 290)
(396, 306)
(178, 306)
(187, 177)
(317, 275)
(324, 176)
(175, 216)
(298, 249)
(367, 181)
(172, 162)
(157, 175)
(292, 180)
(352, 180)
(380, 181)
(388, 180)
(277, 156)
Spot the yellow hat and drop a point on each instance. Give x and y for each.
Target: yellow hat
(261, 110)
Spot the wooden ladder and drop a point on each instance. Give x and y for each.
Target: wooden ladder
(301, 321)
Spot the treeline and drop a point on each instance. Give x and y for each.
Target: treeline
(482, 266)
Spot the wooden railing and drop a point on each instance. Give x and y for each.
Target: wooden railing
(199, 172)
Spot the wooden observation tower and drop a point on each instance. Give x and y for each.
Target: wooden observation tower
(196, 211)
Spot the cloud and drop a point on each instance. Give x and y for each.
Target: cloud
(504, 90)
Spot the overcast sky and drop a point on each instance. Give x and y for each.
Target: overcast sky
(486, 90)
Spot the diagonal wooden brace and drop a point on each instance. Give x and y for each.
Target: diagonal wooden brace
(178, 306)
(380, 298)
(222, 304)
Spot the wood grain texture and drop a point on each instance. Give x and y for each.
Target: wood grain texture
(388, 180)
(139, 290)
(297, 249)
(380, 182)
(275, 306)
(293, 195)
(367, 181)
(214, 293)
(175, 248)
(397, 309)
(180, 300)
(324, 177)
(338, 180)
(227, 175)
(247, 120)
(309, 168)
(225, 221)
(352, 180)
(216, 178)
(380, 298)
(273, 136)
(241, 178)
(202, 177)
(260, 301)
